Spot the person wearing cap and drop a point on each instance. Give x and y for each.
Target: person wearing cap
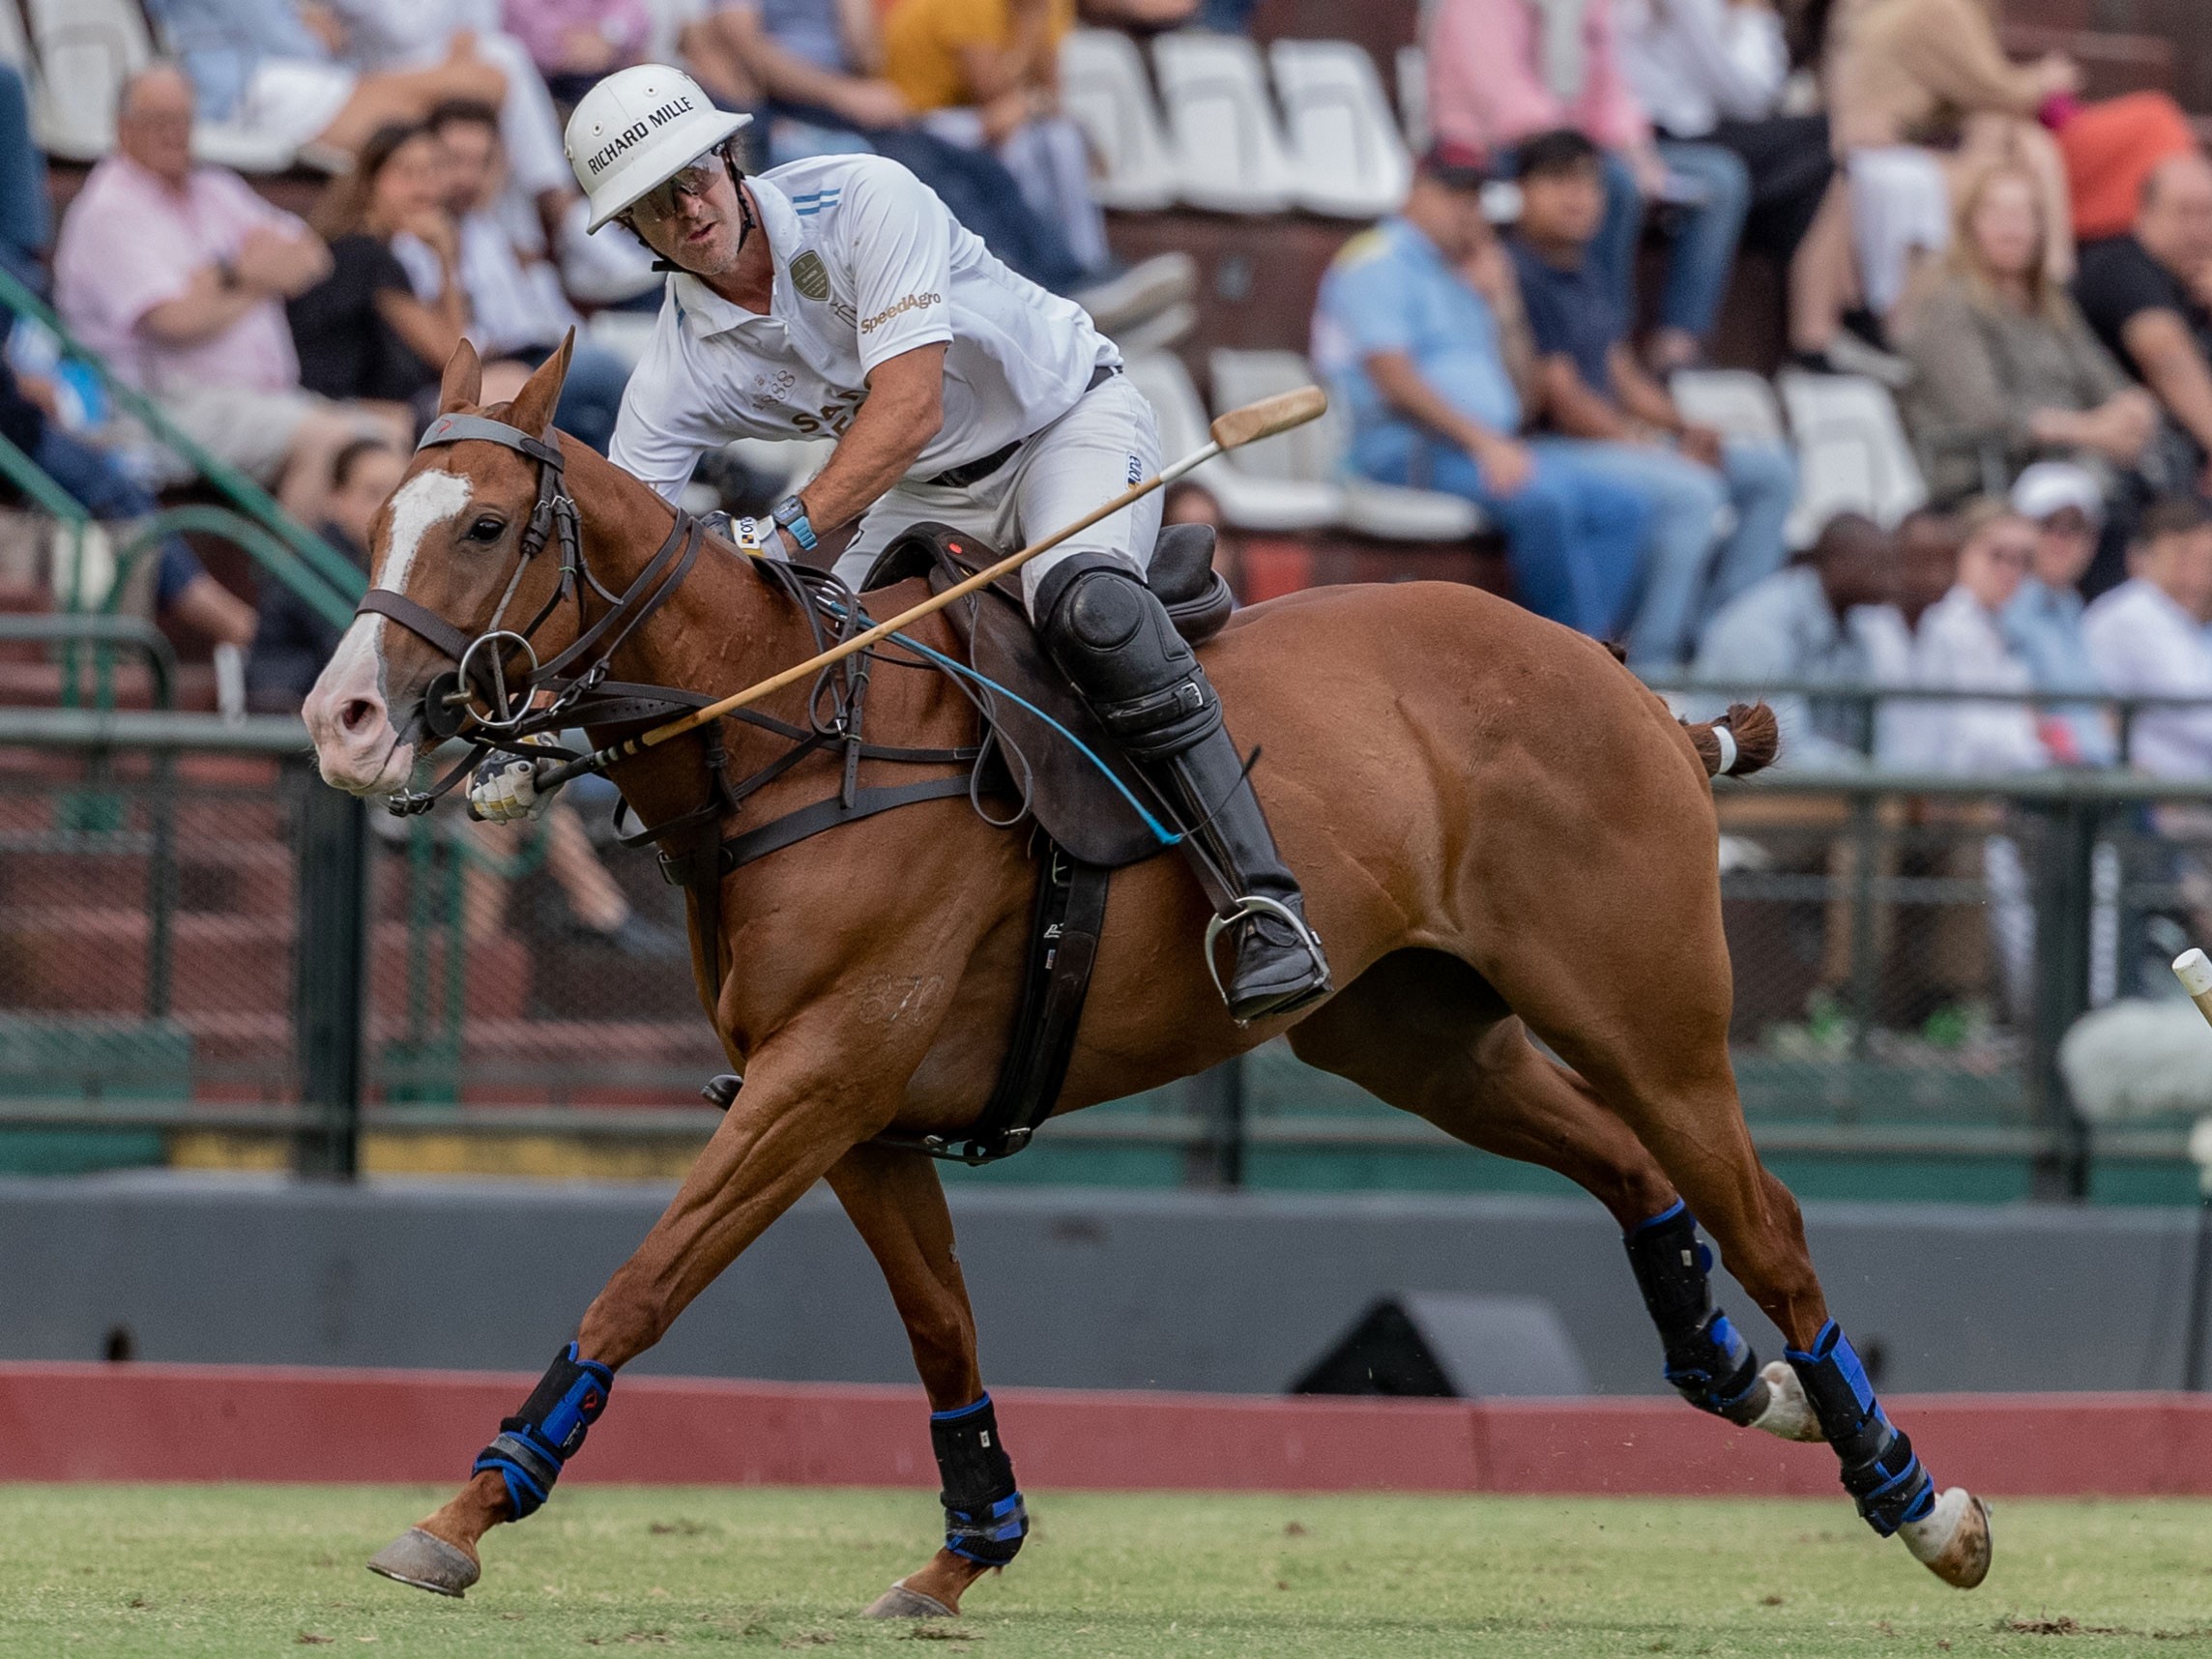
(2043, 621)
(1418, 332)
(836, 297)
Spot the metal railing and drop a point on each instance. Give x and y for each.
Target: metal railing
(231, 948)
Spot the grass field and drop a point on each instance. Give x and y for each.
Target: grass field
(235, 1572)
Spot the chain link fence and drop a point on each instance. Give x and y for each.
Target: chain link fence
(206, 956)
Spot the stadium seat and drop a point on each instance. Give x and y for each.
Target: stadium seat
(1414, 99)
(1228, 147)
(1734, 401)
(1347, 159)
(1852, 453)
(86, 49)
(1247, 500)
(1102, 85)
(1315, 453)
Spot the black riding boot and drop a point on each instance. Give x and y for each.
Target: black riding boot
(1112, 638)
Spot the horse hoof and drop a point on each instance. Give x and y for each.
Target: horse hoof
(1954, 1541)
(1789, 1415)
(428, 1563)
(899, 1602)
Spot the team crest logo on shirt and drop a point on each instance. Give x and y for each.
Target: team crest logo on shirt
(810, 277)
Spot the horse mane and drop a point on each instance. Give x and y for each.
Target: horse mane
(1758, 739)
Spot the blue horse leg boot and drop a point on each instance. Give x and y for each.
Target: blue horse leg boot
(1709, 1361)
(532, 1446)
(984, 1519)
(1880, 1470)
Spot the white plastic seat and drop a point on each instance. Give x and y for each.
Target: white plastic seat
(1734, 401)
(1852, 456)
(1102, 86)
(1414, 98)
(1347, 157)
(1315, 452)
(1248, 500)
(86, 50)
(1228, 147)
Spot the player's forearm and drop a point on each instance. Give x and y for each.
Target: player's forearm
(887, 437)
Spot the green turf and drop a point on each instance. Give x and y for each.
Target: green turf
(234, 1572)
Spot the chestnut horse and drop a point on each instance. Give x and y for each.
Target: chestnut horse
(1500, 830)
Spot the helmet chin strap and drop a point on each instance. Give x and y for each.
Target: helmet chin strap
(745, 220)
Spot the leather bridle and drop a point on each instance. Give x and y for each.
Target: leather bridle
(484, 694)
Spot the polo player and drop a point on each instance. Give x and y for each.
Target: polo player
(838, 297)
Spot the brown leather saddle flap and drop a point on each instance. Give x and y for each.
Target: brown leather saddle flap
(1068, 795)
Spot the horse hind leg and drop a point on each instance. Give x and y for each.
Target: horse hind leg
(897, 1203)
(1647, 1022)
(1427, 1033)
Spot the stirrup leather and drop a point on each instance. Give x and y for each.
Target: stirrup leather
(1256, 905)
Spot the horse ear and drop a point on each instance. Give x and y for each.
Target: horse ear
(463, 382)
(533, 407)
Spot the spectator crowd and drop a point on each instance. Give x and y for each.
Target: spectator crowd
(2029, 269)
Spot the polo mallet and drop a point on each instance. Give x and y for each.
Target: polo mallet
(2195, 972)
(1231, 431)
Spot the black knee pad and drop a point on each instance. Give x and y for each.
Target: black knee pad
(984, 1518)
(1111, 637)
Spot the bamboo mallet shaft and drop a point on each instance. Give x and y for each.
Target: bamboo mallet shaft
(1231, 431)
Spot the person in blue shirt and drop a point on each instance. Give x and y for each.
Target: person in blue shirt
(2043, 623)
(1594, 389)
(1417, 353)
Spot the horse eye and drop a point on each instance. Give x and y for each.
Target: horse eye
(486, 529)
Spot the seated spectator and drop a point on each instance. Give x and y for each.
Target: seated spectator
(362, 333)
(2043, 623)
(182, 589)
(25, 221)
(2147, 638)
(986, 74)
(1927, 543)
(291, 644)
(177, 276)
(575, 43)
(1961, 646)
(511, 305)
(1502, 71)
(1594, 388)
(1830, 618)
(332, 73)
(262, 66)
(1712, 72)
(817, 67)
(1415, 347)
(2145, 296)
(2007, 371)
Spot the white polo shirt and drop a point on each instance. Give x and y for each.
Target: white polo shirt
(869, 264)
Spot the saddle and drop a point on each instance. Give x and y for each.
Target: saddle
(1071, 800)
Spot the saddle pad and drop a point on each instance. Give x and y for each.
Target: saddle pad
(1069, 797)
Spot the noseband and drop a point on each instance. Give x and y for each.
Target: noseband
(483, 666)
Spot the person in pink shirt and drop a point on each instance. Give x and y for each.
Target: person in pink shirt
(176, 274)
(1503, 70)
(573, 43)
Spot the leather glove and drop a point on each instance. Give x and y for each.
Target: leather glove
(504, 788)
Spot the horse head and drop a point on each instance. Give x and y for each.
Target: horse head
(452, 539)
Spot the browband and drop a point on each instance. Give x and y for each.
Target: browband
(461, 429)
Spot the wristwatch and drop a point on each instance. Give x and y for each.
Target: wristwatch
(791, 513)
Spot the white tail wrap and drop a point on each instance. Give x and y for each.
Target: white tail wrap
(1727, 741)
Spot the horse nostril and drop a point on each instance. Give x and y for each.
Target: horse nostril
(357, 714)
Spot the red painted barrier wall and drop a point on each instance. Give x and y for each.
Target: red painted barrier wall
(194, 1423)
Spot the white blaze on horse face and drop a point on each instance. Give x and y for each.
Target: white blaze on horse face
(424, 501)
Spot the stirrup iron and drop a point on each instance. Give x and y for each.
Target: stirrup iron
(1257, 905)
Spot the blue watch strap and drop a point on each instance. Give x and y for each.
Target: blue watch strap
(791, 513)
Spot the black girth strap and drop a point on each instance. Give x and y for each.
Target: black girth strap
(1065, 924)
(679, 869)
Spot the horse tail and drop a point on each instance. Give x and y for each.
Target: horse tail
(1741, 741)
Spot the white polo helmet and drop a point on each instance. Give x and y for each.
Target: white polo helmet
(637, 128)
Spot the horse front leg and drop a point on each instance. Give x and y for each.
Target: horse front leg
(800, 1111)
(897, 1203)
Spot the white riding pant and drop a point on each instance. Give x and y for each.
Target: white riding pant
(1091, 455)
